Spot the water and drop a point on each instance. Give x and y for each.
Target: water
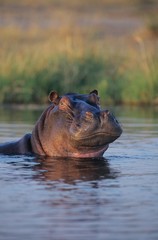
(111, 198)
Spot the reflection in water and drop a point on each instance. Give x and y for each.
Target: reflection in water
(53, 198)
(72, 169)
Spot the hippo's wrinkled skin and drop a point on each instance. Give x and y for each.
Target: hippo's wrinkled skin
(72, 126)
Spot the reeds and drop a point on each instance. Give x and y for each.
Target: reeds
(69, 58)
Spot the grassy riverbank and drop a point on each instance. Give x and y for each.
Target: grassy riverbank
(70, 57)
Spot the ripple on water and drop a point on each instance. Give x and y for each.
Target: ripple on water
(114, 197)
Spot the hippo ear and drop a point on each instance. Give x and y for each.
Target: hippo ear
(54, 97)
(94, 91)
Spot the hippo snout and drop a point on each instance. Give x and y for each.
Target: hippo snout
(95, 124)
(110, 123)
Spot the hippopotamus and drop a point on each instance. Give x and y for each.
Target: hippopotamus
(73, 125)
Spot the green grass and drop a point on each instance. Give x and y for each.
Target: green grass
(69, 58)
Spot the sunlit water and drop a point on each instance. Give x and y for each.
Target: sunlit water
(112, 198)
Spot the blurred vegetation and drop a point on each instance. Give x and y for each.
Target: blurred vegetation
(75, 57)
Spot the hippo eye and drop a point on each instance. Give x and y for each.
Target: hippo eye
(61, 103)
(65, 103)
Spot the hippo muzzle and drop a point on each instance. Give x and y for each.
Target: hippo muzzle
(74, 126)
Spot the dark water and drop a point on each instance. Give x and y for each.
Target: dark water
(115, 197)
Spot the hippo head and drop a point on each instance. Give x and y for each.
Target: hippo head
(74, 126)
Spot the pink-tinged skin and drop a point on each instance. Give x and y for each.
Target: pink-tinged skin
(93, 154)
(72, 126)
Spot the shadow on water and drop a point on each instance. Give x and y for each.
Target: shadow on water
(72, 170)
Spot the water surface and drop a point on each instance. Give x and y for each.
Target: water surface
(110, 198)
